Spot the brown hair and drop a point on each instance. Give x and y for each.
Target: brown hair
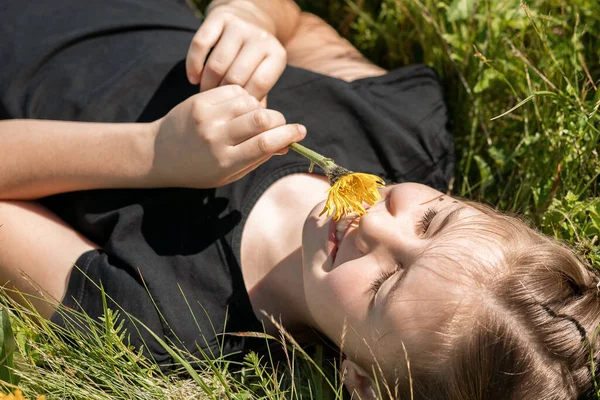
(527, 332)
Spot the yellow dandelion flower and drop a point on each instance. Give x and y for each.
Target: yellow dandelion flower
(18, 395)
(348, 189)
(349, 192)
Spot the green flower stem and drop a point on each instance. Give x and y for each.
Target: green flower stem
(326, 163)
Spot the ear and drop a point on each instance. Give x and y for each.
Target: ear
(358, 382)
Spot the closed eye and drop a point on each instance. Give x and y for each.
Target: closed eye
(425, 220)
(376, 284)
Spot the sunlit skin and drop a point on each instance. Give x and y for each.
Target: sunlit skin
(416, 294)
(304, 277)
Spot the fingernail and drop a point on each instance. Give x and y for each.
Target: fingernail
(302, 129)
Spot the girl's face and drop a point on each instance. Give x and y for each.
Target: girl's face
(371, 287)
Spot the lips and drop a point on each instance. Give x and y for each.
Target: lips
(332, 242)
(326, 230)
(338, 232)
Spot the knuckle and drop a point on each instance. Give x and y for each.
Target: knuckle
(248, 102)
(233, 79)
(278, 118)
(223, 162)
(216, 66)
(236, 22)
(264, 36)
(236, 90)
(200, 43)
(198, 111)
(228, 16)
(263, 145)
(277, 49)
(280, 52)
(210, 138)
(262, 84)
(260, 119)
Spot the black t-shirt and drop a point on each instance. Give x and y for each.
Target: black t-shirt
(123, 61)
(88, 60)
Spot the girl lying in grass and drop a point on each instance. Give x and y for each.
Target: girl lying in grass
(177, 207)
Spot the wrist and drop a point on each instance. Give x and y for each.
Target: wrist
(141, 143)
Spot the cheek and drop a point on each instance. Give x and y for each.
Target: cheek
(350, 250)
(377, 229)
(349, 286)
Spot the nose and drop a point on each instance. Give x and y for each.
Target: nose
(388, 225)
(397, 199)
(407, 197)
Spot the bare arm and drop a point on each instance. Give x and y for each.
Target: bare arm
(209, 140)
(316, 46)
(41, 158)
(37, 253)
(310, 42)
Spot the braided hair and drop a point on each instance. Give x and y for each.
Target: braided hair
(528, 331)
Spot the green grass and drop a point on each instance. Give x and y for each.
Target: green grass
(535, 67)
(67, 364)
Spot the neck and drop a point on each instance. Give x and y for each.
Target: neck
(271, 250)
(279, 296)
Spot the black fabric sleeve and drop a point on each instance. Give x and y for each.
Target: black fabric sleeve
(94, 273)
(394, 125)
(417, 142)
(3, 112)
(88, 60)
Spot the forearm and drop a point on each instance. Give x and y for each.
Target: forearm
(279, 17)
(41, 158)
(317, 46)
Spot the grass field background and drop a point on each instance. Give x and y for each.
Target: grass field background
(521, 83)
(535, 64)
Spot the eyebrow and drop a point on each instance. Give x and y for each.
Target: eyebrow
(450, 217)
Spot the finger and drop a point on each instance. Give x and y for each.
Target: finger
(236, 107)
(204, 40)
(222, 94)
(265, 76)
(244, 66)
(253, 123)
(244, 172)
(267, 143)
(220, 59)
(282, 152)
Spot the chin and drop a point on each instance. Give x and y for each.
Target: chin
(319, 246)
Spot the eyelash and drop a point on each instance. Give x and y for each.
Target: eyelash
(426, 220)
(376, 284)
(424, 223)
